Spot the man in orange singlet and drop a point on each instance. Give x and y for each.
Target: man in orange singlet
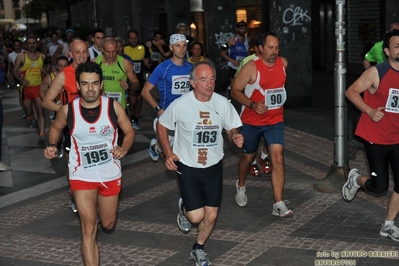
(64, 85)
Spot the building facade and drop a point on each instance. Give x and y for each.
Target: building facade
(306, 28)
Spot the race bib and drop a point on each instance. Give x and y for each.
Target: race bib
(240, 58)
(94, 156)
(180, 84)
(155, 56)
(137, 67)
(117, 96)
(205, 136)
(275, 98)
(392, 104)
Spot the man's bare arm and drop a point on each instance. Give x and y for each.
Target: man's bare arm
(55, 89)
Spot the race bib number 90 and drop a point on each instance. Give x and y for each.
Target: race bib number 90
(275, 98)
(180, 84)
(392, 104)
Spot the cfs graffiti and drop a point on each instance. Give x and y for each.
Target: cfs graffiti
(295, 16)
(222, 38)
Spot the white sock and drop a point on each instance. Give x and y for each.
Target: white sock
(386, 223)
(263, 156)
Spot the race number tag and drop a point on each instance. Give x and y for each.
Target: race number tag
(392, 105)
(180, 84)
(240, 58)
(205, 136)
(275, 98)
(155, 56)
(137, 67)
(117, 96)
(93, 156)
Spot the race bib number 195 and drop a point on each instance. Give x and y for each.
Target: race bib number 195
(96, 157)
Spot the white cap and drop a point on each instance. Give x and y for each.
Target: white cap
(174, 38)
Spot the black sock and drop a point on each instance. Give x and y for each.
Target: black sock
(197, 246)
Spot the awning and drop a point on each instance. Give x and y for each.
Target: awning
(26, 21)
(6, 21)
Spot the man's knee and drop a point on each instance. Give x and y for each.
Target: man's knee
(247, 159)
(211, 216)
(376, 188)
(108, 226)
(196, 216)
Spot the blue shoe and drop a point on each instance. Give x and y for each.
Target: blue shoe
(153, 154)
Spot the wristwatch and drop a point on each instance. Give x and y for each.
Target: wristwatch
(157, 108)
(52, 145)
(251, 105)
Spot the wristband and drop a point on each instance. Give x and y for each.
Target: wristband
(157, 108)
(52, 145)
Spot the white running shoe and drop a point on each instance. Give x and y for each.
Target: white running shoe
(349, 189)
(241, 196)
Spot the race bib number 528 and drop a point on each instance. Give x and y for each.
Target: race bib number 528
(180, 84)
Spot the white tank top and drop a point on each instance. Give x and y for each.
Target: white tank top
(90, 158)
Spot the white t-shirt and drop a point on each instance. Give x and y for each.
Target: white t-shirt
(198, 128)
(12, 56)
(93, 52)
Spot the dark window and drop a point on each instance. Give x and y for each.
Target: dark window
(17, 14)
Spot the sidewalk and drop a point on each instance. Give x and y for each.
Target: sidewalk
(39, 229)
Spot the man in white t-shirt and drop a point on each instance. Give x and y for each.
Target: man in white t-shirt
(95, 49)
(198, 119)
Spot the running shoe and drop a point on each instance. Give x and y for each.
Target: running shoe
(254, 170)
(135, 125)
(266, 167)
(200, 257)
(241, 196)
(72, 205)
(4, 167)
(152, 152)
(280, 210)
(391, 231)
(42, 141)
(182, 221)
(349, 189)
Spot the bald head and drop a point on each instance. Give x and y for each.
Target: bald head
(108, 41)
(78, 52)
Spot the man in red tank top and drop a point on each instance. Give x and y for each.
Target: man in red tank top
(262, 80)
(379, 128)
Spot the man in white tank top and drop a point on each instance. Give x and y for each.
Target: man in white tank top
(94, 161)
